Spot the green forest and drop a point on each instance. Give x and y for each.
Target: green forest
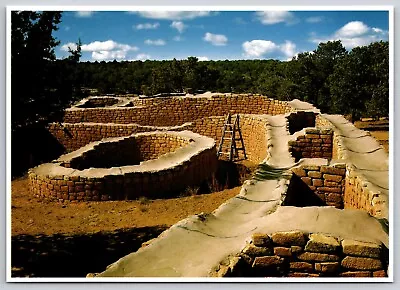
(335, 80)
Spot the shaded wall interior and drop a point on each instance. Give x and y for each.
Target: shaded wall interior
(32, 146)
(300, 120)
(129, 151)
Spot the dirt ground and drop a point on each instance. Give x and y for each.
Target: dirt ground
(54, 239)
(51, 239)
(378, 129)
(382, 137)
(32, 216)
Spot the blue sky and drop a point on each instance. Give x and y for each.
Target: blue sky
(214, 35)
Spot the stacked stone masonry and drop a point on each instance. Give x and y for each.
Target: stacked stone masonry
(356, 195)
(327, 182)
(301, 254)
(177, 111)
(254, 130)
(59, 181)
(315, 143)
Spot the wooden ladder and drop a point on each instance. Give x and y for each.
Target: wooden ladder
(231, 127)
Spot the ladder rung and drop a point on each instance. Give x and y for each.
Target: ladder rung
(228, 131)
(224, 153)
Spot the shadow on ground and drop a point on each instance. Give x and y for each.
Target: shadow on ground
(61, 255)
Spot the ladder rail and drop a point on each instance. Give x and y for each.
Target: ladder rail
(223, 135)
(234, 127)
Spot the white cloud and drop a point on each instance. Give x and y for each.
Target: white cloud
(84, 13)
(109, 55)
(178, 25)
(67, 28)
(69, 45)
(215, 39)
(174, 15)
(202, 58)
(141, 26)
(259, 48)
(274, 17)
(377, 30)
(177, 38)
(103, 50)
(142, 56)
(157, 42)
(288, 48)
(314, 19)
(352, 29)
(354, 33)
(107, 45)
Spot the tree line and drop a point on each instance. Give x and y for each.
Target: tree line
(354, 82)
(335, 80)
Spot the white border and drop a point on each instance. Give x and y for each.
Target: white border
(388, 8)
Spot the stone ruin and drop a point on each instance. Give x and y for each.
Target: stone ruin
(318, 206)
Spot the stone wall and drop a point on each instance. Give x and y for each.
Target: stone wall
(323, 123)
(315, 143)
(301, 254)
(327, 183)
(157, 178)
(76, 135)
(359, 196)
(254, 132)
(179, 110)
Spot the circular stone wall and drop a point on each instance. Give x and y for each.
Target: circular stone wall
(150, 164)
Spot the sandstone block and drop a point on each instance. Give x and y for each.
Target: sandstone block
(307, 180)
(333, 170)
(311, 167)
(296, 249)
(330, 177)
(319, 257)
(267, 262)
(299, 172)
(358, 263)
(252, 251)
(301, 266)
(314, 174)
(362, 249)
(331, 183)
(261, 240)
(380, 273)
(317, 182)
(312, 131)
(356, 274)
(327, 267)
(292, 238)
(283, 251)
(312, 136)
(321, 243)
